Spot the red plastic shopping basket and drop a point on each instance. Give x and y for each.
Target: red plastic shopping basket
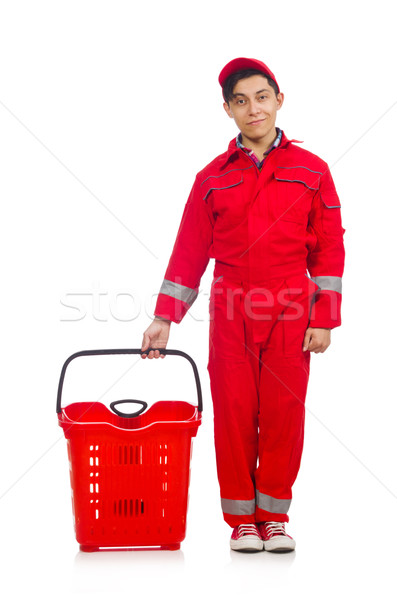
(129, 473)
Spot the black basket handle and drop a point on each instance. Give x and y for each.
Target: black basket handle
(128, 415)
(129, 351)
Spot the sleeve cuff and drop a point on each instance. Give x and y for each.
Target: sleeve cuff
(326, 310)
(170, 308)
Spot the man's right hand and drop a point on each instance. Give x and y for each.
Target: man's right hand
(156, 336)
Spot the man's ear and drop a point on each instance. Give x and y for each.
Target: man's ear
(228, 110)
(280, 100)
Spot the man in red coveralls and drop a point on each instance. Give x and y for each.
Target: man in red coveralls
(267, 211)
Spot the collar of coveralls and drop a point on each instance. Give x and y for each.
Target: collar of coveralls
(255, 159)
(233, 148)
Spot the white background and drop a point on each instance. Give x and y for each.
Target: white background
(107, 111)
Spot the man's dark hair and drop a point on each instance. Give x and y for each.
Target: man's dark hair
(231, 81)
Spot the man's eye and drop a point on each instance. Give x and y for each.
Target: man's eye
(262, 97)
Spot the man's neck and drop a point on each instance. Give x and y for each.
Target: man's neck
(259, 147)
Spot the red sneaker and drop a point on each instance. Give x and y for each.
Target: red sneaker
(246, 538)
(274, 537)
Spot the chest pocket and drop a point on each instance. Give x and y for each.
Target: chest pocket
(224, 193)
(295, 188)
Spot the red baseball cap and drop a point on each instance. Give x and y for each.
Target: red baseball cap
(238, 64)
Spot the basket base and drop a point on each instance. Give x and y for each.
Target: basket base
(85, 548)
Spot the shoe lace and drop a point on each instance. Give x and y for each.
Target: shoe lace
(247, 529)
(275, 528)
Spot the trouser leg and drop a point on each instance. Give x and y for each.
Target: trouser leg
(234, 379)
(235, 402)
(284, 376)
(283, 385)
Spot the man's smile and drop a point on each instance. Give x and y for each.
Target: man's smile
(256, 122)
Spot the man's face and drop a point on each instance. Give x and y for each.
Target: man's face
(254, 107)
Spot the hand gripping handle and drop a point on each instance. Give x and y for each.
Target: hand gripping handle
(129, 351)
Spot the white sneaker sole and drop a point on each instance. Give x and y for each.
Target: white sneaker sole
(279, 543)
(247, 544)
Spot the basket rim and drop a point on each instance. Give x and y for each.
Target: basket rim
(193, 420)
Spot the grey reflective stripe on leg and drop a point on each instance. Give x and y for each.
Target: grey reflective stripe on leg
(178, 291)
(329, 283)
(270, 504)
(238, 507)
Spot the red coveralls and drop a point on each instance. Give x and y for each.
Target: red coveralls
(265, 229)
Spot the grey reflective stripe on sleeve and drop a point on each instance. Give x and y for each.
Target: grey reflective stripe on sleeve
(178, 291)
(270, 504)
(329, 283)
(238, 507)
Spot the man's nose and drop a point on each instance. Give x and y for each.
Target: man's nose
(254, 107)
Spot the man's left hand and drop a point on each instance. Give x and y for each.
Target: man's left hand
(316, 339)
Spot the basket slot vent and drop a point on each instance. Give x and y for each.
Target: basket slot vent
(129, 507)
(162, 454)
(130, 455)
